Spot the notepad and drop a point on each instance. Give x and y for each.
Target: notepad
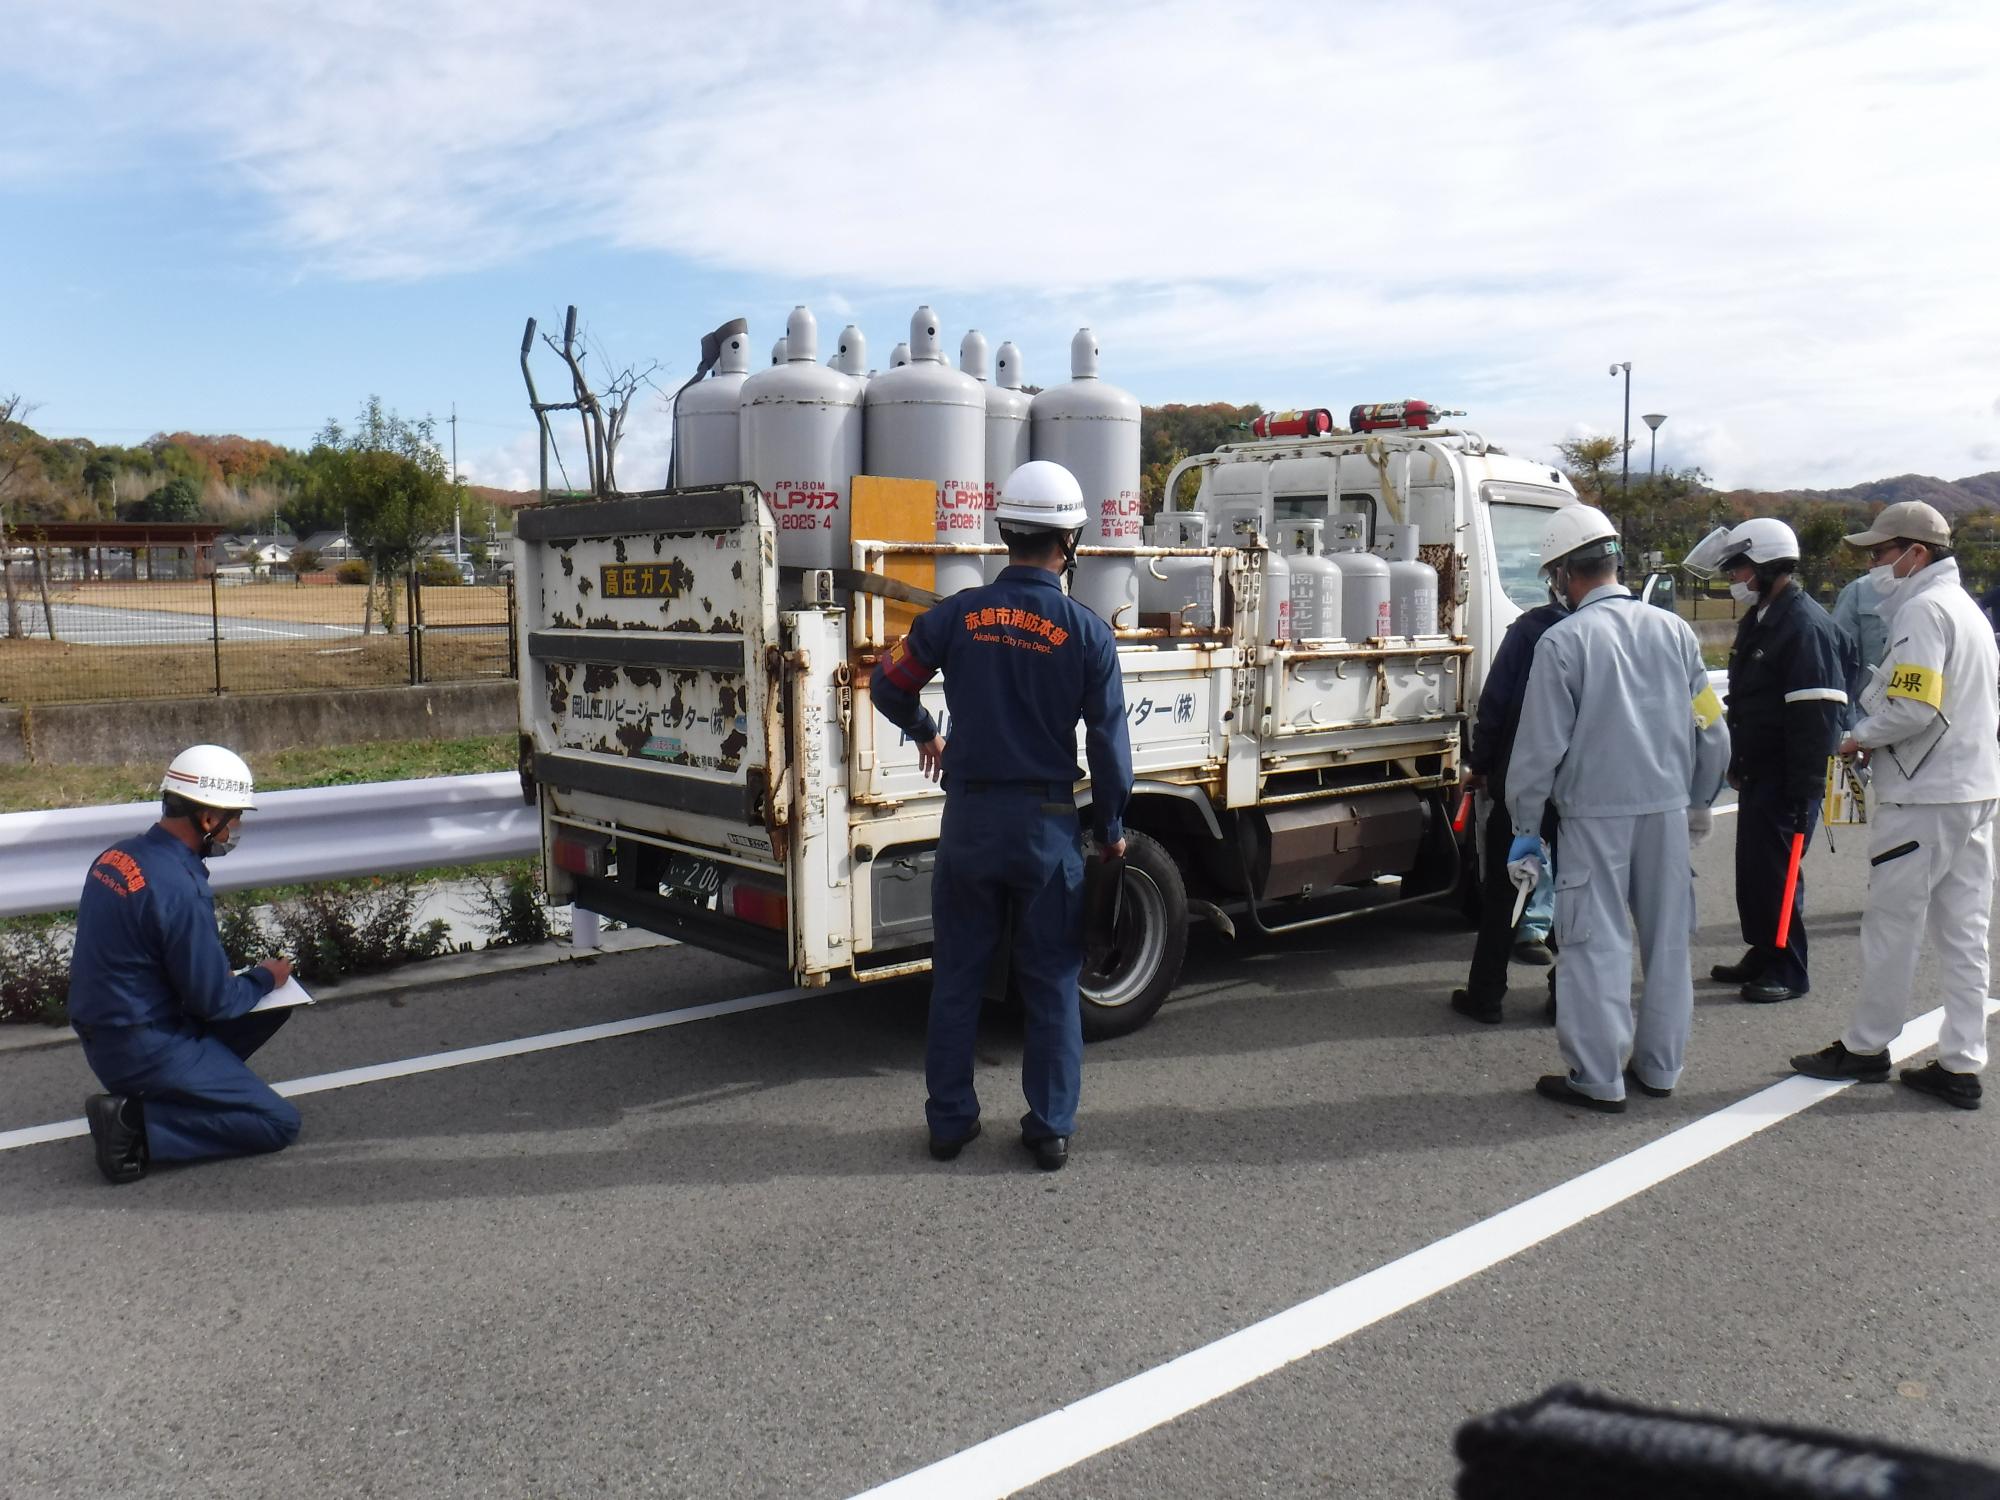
(291, 992)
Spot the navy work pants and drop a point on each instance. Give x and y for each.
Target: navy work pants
(1763, 853)
(1020, 849)
(200, 1097)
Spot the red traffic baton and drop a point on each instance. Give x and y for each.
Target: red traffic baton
(1791, 891)
(1464, 809)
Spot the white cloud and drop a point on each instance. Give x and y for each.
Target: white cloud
(1773, 210)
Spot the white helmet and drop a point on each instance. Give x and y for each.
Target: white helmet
(1041, 496)
(211, 776)
(1577, 529)
(1762, 540)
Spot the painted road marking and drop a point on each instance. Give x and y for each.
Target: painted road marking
(1032, 1452)
(319, 1083)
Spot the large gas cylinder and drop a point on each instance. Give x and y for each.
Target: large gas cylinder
(1413, 585)
(899, 356)
(850, 355)
(1092, 429)
(1316, 591)
(1007, 441)
(972, 355)
(778, 354)
(928, 421)
(800, 442)
(1183, 587)
(707, 447)
(1365, 609)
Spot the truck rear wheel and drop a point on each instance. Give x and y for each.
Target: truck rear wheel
(1121, 993)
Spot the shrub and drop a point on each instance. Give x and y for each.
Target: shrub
(514, 907)
(34, 973)
(441, 571)
(241, 930)
(303, 560)
(354, 570)
(355, 927)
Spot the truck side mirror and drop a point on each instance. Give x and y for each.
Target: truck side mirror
(1659, 589)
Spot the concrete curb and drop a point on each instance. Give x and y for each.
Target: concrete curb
(21, 1036)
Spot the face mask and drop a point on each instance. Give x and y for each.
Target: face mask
(220, 841)
(1743, 593)
(1883, 576)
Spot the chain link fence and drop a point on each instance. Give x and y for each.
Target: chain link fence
(169, 624)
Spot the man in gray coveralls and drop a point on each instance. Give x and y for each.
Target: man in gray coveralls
(1621, 731)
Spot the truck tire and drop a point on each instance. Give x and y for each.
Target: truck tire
(1145, 963)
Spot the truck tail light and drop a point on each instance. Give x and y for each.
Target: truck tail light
(749, 901)
(580, 851)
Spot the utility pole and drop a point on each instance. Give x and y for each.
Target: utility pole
(457, 533)
(1625, 483)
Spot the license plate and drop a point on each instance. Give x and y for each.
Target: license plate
(691, 878)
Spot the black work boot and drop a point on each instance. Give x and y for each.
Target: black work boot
(1940, 1082)
(118, 1131)
(1486, 1012)
(1746, 969)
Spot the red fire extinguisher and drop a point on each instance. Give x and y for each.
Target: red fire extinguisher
(1317, 422)
(1384, 415)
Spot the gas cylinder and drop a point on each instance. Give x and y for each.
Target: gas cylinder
(1183, 587)
(850, 356)
(778, 354)
(1277, 596)
(1316, 583)
(1365, 609)
(1092, 429)
(972, 355)
(1007, 444)
(1413, 585)
(799, 437)
(928, 421)
(899, 356)
(1317, 422)
(707, 415)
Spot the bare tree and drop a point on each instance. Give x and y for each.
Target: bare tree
(603, 417)
(14, 453)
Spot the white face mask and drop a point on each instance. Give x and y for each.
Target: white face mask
(1743, 593)
(1884, 577)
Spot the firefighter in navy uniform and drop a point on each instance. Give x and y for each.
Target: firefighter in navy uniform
(165, 1026)
(1787, 704)
(1022, 663)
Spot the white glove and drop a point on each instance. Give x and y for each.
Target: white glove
(1701, 823)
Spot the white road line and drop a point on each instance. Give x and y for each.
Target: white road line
(1030, 1453)
(59, 1130)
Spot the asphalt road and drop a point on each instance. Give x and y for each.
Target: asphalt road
(714, 1259)
(105, 625)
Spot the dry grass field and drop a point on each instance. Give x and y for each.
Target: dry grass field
(299, 604)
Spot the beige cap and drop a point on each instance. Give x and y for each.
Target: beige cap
(1907, 521)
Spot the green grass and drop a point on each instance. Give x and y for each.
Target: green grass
(40, 788)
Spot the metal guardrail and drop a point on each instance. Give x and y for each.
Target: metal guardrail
(314, 833)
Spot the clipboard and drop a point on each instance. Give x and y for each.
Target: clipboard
(286, 995)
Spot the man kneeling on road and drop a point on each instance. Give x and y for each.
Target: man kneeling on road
(165, 1026)
(1621, 731)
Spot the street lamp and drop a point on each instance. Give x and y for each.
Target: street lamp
(1625, 482)
(1653, 419)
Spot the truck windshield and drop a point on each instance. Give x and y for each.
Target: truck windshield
(1517, 523)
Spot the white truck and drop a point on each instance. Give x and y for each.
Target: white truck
(697, 728)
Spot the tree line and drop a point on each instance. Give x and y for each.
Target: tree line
(381, 479)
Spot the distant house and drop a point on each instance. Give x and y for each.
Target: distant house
(331, 546)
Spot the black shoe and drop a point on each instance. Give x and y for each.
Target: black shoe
(1555, 1086)
(944, 1150)
(1534, 951)
(1644, 1087)
(1940, 1082)
(118, 1131)
(1837, 1065)
(1744, 971)
(1769, 992)
(1487, 1013)
(1051, 1152)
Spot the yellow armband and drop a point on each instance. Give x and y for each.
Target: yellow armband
(1925, 684)
(1707, 708)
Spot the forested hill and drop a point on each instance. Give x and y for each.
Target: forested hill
(1955, 497)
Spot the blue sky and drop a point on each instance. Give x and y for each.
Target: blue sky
(244, 216)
